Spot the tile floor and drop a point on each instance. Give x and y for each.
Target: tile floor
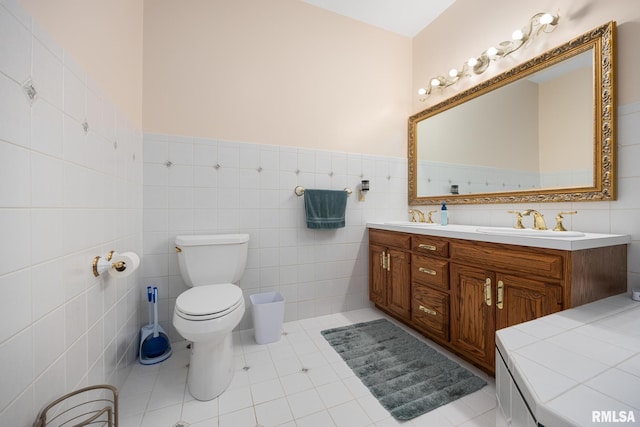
(298, 381)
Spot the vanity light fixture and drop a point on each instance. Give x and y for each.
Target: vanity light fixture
(539, 23)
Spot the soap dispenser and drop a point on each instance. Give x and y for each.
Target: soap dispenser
(444, 215)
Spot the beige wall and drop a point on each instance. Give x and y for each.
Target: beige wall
(468, 27)
(105, 38)
(278, 72)
(566, 122)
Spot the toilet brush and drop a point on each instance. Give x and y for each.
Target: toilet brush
(157, 343)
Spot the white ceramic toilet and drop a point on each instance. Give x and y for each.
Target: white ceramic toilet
(207, 313)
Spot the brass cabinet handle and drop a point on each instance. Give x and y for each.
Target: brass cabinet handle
(500, 301)
(178, 250)
(389, 262)
(383, 260)
(428, 271)
(428, 247)
(428, 310)
(487, 292)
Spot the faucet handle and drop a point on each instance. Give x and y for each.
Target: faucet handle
(519, 224)
(559, 226)
(413, 215)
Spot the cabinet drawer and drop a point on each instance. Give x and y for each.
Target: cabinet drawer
(430, 271)
(430, 245)
(430, 311)
(390, 238)
(536, 262)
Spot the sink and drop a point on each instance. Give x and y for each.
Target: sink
(528, 232)
(411, 223)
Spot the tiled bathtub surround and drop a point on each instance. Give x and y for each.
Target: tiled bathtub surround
(67, 195)
(194, 185)
(572, 368)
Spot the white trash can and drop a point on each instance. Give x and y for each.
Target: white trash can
(268, 314)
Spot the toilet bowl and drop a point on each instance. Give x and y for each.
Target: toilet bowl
(207, 313)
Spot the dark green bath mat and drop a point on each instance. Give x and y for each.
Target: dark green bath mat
(407, 376)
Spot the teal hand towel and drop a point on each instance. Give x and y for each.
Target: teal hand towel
(325, 208)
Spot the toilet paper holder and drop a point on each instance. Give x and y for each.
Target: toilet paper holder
(101, 265)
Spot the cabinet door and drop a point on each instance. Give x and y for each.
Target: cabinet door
(399, 290)
(377, 275)
(472, 313)
(519, 300)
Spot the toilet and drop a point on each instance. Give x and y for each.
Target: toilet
(206, 313)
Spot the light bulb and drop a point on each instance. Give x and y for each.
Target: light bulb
(492, 51)
(453, 73)
(547, 18)
(517, 35)
(435, 82)
(422, 91)
(472, 62)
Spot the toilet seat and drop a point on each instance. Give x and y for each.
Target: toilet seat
(208, 302)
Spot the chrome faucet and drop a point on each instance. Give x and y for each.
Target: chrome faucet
(538, 219)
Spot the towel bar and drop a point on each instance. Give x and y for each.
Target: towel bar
(299, 190)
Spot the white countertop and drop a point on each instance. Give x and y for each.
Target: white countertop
(580, 360)
(470, 232)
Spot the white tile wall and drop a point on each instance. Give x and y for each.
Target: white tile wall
(222, 186)
(65, 197)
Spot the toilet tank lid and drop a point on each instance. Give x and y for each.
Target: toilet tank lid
(211, 239)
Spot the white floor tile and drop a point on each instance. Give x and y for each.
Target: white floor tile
(195, 411)
(244, 417)
(305, 403)
(298, 381)
(266, 391)
(273, 413)
(349, 414)
(319, 419)
(234, 400)
(334, 394)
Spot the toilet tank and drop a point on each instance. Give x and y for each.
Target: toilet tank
(212, 259)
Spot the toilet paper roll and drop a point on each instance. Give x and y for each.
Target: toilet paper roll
(124, 264)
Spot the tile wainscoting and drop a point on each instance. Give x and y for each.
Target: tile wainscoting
(194, 185)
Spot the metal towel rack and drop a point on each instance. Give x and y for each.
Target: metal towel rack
(299, 190)
(95, 405)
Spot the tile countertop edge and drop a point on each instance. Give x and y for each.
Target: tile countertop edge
(469, 232)
(508, 345)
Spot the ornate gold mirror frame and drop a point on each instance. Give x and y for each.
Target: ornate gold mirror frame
(602, 41)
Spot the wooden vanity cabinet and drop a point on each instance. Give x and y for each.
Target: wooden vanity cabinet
(389, 275)
(459, 292)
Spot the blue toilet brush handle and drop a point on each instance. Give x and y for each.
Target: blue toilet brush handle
(149, 299)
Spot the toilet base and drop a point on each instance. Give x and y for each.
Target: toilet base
(210, 367)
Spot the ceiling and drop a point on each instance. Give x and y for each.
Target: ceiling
(405, 17)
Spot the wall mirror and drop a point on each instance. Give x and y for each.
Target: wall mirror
(541, 132)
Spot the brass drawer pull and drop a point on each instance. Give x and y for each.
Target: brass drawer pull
(500, 301)
(428, 310)
(487, 292)
(428, 247)
(428, 271)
